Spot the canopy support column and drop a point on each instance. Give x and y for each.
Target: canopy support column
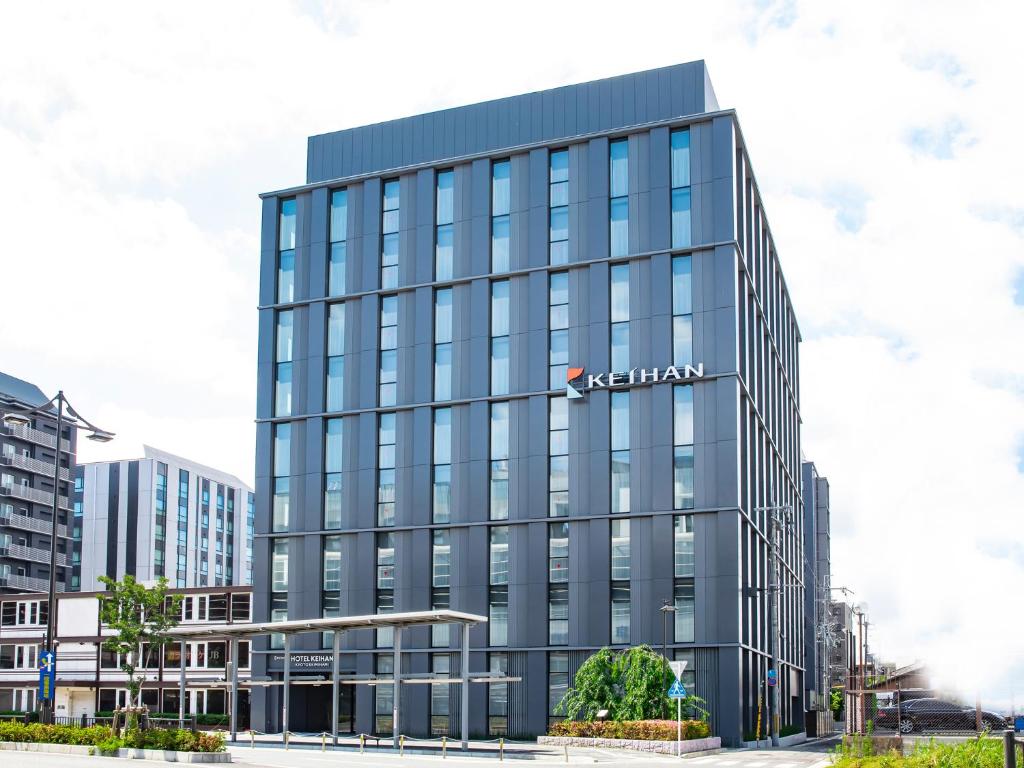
(181, 684)
(397, 694)
(234, 689)
(464, 689)
(285, 694)
(335, 662)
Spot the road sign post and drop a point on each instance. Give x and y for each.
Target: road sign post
(47, 676)
(678, 692)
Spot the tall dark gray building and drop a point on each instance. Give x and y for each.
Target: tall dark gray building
(26, 492)
(533, 359)
(818, 636)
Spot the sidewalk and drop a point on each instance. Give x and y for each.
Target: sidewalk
(384, 745)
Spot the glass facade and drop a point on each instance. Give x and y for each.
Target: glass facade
(442, 495)
(558, 205)
(333, 446)
(680, 188)
(443, 344)
(501, 203)
(618, 186)
(337, 262)
(444, 241)
(499, 461)
(498, 592)
(335, 389)
(682, 312)
(500, 337)
(558, 325)
(389, 235)
(286, 252)
(558, 457)
(386, 470)
(283, 362)
(388, 386)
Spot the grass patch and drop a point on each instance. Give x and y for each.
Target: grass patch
(859, 752)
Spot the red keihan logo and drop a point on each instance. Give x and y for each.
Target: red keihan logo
(573, 375)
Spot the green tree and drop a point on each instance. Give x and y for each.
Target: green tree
(142, 617)
(630, 684)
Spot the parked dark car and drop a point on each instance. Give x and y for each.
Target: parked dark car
(936, 715)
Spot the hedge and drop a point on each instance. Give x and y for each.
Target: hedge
(103, 737)
(646, 730)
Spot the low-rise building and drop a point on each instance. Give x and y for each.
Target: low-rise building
(89, 678)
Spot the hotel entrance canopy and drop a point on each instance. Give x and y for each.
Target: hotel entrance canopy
(338, 625)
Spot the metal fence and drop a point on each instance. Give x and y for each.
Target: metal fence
(906, 713)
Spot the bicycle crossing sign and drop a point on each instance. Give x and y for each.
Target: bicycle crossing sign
(676, 690)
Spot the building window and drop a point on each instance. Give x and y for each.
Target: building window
(498, 587)
(442, 465)
(558, 457)
(386, 470)
(160, 524)
(335, 357)
(183, 483)
(500, 337)
(389, 236)
(682, 452)
(620, 581)
(443, 344)
(558, 683)
(385, 584)
(558, 586)
(620, 451)
(283, 363)
(558, 329)
(441, 666)
(682, 312)
(332, 563)
(388, 350)
(279, 566)
(384, 694)
(683, 572)
(497, 696)
(499, 461)
(618, 186)
(445, 216)
(440, 583)
(619, 293)
(681, 188)
(501, 199)
(339, 245)
(558, 200)
(282, 473)
(333, 447)
(286, 252)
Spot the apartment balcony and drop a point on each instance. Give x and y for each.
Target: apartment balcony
(33, 554)
(17, 491)
(26, 523)
(36, 436)
(34, 465)
(27, 583)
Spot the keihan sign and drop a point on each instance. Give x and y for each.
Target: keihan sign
(578, 383)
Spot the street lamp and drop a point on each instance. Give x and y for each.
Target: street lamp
(20, 418)
(666, 609)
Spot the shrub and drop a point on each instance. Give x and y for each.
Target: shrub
(103, 738)
(646, 730)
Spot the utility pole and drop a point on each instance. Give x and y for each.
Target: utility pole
(860, 654)
(774, 590)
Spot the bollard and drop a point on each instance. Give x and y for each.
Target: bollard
(501, 750)
(194, 724)
(1009, 750)
(444, 747)
(286, 742)
(362, 742)
(566, 752)
(323, 742)
(401, 745)
(252, 739)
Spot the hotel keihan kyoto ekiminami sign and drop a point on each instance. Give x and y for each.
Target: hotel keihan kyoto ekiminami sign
(578, 383)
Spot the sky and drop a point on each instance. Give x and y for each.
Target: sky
(135, 138)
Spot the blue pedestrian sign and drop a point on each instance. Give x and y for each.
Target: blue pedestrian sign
(773, 677)
(47, 675)
(677, 691)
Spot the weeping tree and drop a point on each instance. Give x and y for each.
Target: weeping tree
(141, 618)
(630, 684)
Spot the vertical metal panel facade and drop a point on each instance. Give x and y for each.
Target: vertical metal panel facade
(746, 432)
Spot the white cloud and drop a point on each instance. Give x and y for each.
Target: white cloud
(134, 138)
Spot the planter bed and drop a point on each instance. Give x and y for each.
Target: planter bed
(639, 745)
(168, 756)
